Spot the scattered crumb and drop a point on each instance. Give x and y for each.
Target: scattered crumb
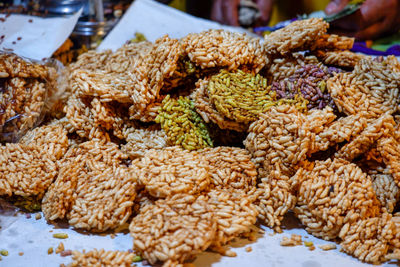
(66, 253)
(50, 250)
(261, 231)
(38, 216)
(19, 38)
(20, 253)
(60, 235)
(308, 243)
(112, 236)
(28, 216)
(230, 253)
(60, 248)
(1, 258)
(271, 234)
(62, 265)
(51, 231)
(294, 240)
(249, 249)
(311, 248)
(14, 42)
(4, 252)
(328, 247)
(30, 21)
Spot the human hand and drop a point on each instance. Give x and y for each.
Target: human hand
(226, 11)
(374, 18)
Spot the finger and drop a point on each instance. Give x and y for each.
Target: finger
(335, 6)
(353, 22)
(216, 11)
(375, 10)
(230, 12)
(377, 29)
(381, 24)
(265, 7)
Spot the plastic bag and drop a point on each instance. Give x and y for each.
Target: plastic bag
(26, 88)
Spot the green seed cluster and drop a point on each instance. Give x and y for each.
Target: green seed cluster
(182, 125)
(240, 96)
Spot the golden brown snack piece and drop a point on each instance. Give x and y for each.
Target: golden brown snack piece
(172, 170)
(101, 258)
(331, 194)
(372, 88)
(173, 229)
(93, 190)
(381, 81)
(230, 167)
(284, 67)
(152, 69)
(339, 58)
(386, 189)
(393, 62)
(136, 81)
(50, 138)
(275, 198)
(362, 143)
(389, 148)
(28, 168)
(333, 42)
(294, 240)
(370, 239)
(278, 136)
(25, 89)
(342, 129)
(300, 35)
(277, 142)
(234, 213)
(91, 60)
(139, 141)
(223, 49)
(79, 114)
(108, 86)
(119, 61)
(22, 102)
(13, 66)
(208, 112)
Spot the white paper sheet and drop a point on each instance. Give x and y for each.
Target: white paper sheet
(33, 238)
(155, 20)
(39, 37)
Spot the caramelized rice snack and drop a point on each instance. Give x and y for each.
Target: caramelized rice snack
(171, 171)
(223, 49)
(331, 194)
(100, 203)
(300, 35)
(41, 147)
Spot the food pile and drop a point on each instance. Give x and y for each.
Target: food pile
(139, 138)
